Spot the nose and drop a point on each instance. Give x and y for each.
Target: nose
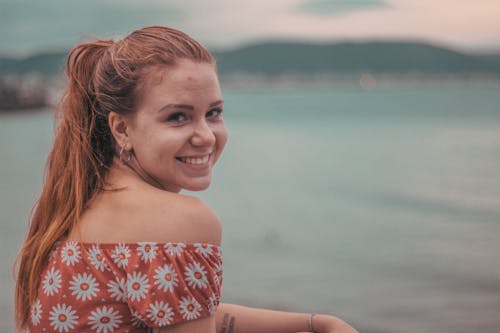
(203, 134)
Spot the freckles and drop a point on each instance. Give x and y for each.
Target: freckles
(149, 140)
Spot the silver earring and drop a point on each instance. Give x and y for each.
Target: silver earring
(127, 153)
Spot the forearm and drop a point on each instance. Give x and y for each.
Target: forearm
(232, 318)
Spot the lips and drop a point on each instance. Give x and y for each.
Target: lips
(196, 160)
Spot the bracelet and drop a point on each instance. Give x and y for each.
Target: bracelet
(310, 322)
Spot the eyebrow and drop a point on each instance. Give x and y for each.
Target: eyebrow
(187, 106)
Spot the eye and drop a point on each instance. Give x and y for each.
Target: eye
(214, 113)
(177, 117)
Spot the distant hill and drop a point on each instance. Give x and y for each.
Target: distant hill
(49, 64)
(376, 57)
(273, 58)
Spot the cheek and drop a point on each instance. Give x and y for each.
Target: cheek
(221, 135)
(150, 146)
(169, 143)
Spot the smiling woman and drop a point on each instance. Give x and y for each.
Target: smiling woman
(177, 133)
(112, 245)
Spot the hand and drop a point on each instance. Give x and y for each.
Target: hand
(330, 324)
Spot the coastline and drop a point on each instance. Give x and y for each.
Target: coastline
(31, 93)
(362, 80)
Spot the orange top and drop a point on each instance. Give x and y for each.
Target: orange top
(126, 287)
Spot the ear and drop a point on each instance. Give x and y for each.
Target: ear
(119, 125)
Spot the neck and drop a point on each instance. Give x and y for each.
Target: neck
(127, 174)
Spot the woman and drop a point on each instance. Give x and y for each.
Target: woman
(112, 245)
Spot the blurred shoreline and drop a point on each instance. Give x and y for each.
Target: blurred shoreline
(26, 92)
(363, 81)
(31, 92)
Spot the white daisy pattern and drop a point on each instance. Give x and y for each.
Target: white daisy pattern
(117, 289)
(166, 278)
(52, 282)
(63, 318)
(175, 249)
(137, 286)
(137, 320)
(218, 273)
(196, 275)
(53, 253)
(160, 313)
(120, 255)
(70, 254)
(190, 308)
(217, 251)
(92, 284)
(105, 319)
(84, 286)
(204, 249)
(213, 303)
(96, 258)
(36, 312)
(147, 251)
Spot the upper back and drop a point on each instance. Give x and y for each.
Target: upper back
(137, 258)
(136, 214)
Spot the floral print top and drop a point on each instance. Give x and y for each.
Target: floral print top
(126, 287)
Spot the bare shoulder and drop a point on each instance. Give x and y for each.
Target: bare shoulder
(179, 217)
(193, 219)
(151, 215)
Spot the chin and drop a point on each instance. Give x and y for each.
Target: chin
(197, 187)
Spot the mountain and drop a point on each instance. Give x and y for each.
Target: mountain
(272, 58)
(48, 64)
(376, 57)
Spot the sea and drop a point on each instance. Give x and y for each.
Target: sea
(378, 204)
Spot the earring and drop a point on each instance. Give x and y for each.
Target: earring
(127, 153)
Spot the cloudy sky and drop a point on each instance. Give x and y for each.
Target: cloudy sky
(34, 25)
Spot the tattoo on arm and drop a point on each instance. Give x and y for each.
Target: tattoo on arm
(227, 324)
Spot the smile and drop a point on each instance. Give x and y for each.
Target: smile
(195, 160)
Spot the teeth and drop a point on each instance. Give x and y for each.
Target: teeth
(195, 160)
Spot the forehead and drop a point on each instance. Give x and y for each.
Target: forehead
(185, 82)
(184, 76)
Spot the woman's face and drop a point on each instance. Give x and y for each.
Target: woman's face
(177, 133)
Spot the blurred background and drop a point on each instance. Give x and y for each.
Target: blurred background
(361, 174)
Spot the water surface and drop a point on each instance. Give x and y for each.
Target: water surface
(382, 206)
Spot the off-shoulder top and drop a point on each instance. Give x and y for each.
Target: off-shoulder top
(126, 287)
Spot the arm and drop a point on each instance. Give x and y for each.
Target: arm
(239, 319)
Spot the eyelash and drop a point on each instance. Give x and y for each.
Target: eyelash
(174, 117)
(218, 110)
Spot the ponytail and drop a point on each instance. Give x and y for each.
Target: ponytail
(103, 77)
(74, 173)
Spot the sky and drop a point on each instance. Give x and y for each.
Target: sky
(29, 26)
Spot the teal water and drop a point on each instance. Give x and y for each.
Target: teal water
(382, 207)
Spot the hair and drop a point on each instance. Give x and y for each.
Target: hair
(103, 76)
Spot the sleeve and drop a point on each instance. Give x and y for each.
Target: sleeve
(173, 283)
